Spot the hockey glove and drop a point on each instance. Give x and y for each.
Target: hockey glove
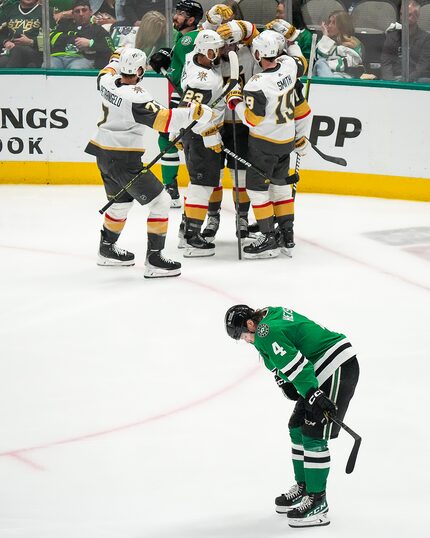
(284, 28)
(232, 32)
(321, 407)
(234, 97)
(200, 113)
(212, 140)
(301, 146)
(288, 389)
(160, 60)
(219, 13)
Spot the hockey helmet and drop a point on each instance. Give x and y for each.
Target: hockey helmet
(235, 320)
(279, 38)
(208, 40)
(266, 45)
(131, 60)
(192, 8)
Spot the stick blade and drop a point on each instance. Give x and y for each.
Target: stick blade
(234, 65)
(353, 456)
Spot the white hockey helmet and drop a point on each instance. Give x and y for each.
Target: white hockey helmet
(131, 60)
(266, 44)
(207, 40)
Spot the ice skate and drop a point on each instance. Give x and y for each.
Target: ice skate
(287, 501)
(311, 512)
(211, 228)
(110, 254)
(263, 247)
(157, 266)
(172, 189)
(197, 247)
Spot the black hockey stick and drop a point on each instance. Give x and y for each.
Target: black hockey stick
(234, 66)
(336, 160)
(288, 181)
(357, 442)
(236, 189)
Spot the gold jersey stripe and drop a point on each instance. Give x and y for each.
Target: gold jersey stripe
(271, 139)
(115, 226)
(263, 212)
(284, 208)
(196, 212)
(301, 110)
(157, 226)
(162, 120)
(252, 118)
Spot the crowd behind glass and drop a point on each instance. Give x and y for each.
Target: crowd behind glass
(361, 39)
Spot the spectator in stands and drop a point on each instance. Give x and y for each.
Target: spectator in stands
(305, 38)
(20, 24)
(108, 11)
(419, 50)
(135, 9)
(78, 43)
(151, 35)
(339, 52)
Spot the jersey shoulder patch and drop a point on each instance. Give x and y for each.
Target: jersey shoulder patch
(263, 330)
(186, 40)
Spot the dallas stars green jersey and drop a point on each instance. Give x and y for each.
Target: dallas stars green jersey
(298, 349)
(183, 45)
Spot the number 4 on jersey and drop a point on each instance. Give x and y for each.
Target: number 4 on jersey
(277, 349)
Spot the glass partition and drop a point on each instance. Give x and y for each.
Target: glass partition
(356, 39)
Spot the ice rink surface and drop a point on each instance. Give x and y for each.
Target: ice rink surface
(126, 411)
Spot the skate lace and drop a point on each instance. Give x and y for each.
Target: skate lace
(167, 260)
(118, 250)
(292, 492)
(260, 240)
(213, 223)
(305, 504)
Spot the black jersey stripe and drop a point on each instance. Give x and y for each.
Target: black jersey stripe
(331, 357)
(294, 368)
(308, 459)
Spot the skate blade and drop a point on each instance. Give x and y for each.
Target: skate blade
(106, 262)
(285, 509)
(319, 520)
(161, 273)
(287, 252)
(262, 255)
(198, 253)
(182, 243)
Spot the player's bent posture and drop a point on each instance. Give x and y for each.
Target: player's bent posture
(268, 108)
(319, 369)
(127, 108)
(202, 82)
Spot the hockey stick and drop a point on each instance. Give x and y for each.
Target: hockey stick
(234, 67)
(307, 90)
(236, 189)
(248, 164)
(357, 442)
(336, 160)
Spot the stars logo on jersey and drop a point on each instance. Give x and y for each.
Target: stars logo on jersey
(201, 75)
(262, 330)
(186, 40)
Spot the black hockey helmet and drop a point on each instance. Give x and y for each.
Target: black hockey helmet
(193, 8)
(235, 320)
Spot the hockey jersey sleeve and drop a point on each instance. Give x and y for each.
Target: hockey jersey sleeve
(281, 356)
(253, 109)
(302, 112)
(154, 115)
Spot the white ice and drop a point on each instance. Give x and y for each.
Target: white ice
(126, 411)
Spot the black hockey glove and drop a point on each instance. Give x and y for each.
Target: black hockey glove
(320, 406)
(288, 389)
(160, 60)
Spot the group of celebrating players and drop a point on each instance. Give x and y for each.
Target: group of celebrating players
(263, 119)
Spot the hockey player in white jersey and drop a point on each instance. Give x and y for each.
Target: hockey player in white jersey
(267, 107)
(202, 82)
(119, 145)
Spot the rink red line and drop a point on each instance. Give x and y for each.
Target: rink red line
(17, 453)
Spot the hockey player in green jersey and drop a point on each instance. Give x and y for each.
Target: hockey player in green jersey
(318, 369)
(186, 18)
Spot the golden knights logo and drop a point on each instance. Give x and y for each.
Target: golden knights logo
(262, 330)
(137, 89)
(255, 77)
(201, 75)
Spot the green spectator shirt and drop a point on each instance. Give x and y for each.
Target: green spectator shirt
(14, 23)
(299, 350)
(305, 42)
